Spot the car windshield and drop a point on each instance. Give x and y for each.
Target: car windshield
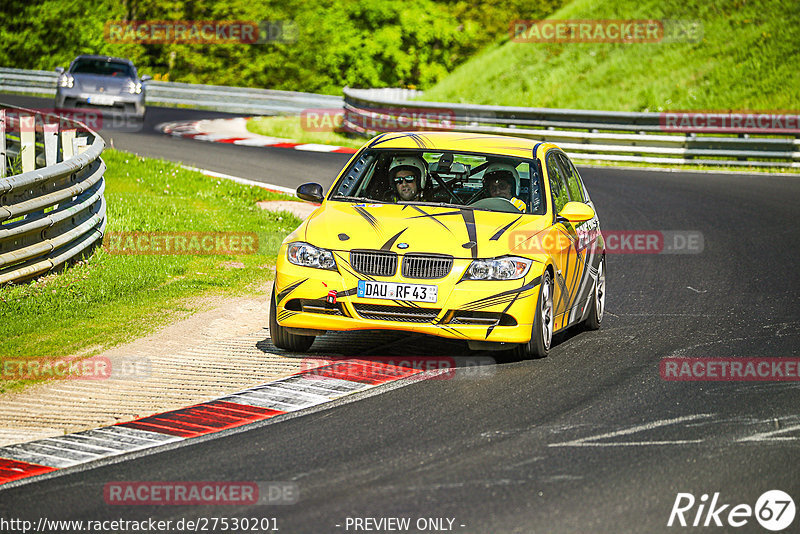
(102, 67)
(476, 181)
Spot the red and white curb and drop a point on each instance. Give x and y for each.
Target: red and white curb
(313, 387)
(234, 131)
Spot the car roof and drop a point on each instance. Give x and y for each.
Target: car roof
(107, 58)
(501, 145)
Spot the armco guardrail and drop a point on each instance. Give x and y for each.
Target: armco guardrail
(51, 192)
(216, 97)
(584, 134)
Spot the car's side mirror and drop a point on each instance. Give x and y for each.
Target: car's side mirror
(146, 77)
(59, 70)
(576, 212)
(311, 192)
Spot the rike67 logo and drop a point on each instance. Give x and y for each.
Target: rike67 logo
(774, 510)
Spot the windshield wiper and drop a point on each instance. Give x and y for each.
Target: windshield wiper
(362, 199)
(437, 204)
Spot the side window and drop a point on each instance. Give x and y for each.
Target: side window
(524, 185)
(558, 186)
(573, 179)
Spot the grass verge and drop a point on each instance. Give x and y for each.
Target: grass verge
(110, 298)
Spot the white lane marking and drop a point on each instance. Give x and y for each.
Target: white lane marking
(292, 393)
(780, 331)
(325, 384)
(45, 446)
(66, 451)
(591, 441)
(243, 181)
(772, 435)
(273, 402)
(39, 459)
(121, 432)
(66, 444)
(213, 136)
(314, 147)
(259, 142)
(95, 442)
(697, 290)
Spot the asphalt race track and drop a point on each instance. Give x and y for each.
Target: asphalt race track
(590, 439)
(276, 166)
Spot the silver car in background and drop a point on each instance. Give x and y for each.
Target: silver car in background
(104, 83)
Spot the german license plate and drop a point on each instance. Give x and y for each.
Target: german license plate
(101, 100)
(394, 291)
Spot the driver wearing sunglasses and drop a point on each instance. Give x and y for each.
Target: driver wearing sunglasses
(407, 174)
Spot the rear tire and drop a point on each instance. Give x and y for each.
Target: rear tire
(281, 338)
(542, 330)
(598, 307)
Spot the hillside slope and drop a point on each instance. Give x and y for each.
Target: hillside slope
(746, 60)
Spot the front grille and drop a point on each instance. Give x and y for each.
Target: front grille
(374, 263)
(426, 266)
(380, 312)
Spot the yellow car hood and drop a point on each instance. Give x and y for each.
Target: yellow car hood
(462, 233)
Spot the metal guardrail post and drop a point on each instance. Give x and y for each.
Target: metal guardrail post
(27, 140)
(3, 154)
(54, 213)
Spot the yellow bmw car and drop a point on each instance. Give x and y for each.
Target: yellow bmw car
(488, 239)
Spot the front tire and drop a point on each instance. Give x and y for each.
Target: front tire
(281, 338)
(542, 330)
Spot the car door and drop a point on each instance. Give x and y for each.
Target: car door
(587, 232)
(563, 244)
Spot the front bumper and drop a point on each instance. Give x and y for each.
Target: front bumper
(495, 311)
(122, 104)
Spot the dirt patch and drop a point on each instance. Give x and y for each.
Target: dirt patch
(232, 265)
(300, 209)
(221, 349)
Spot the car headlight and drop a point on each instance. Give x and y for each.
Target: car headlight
(507, 268)
(134, 88)
(65, 80)
(307, 255)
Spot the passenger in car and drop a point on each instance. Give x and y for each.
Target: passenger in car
(500, 180)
